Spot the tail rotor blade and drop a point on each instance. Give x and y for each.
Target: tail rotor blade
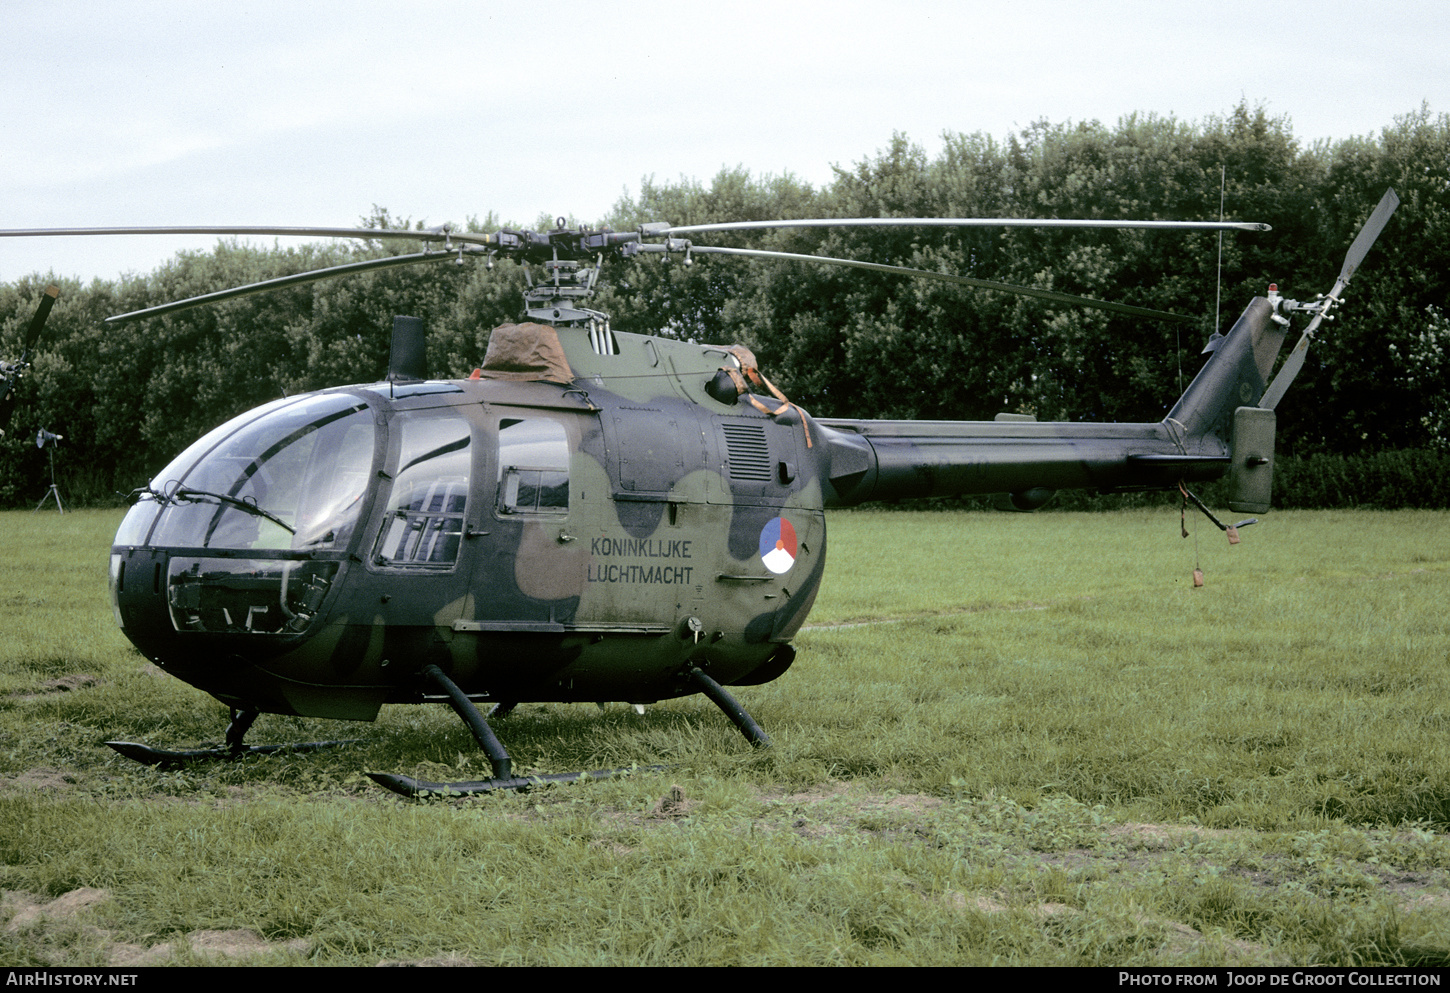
(1357, 251)
(1367, 234)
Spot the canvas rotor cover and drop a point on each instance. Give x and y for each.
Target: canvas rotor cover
(525, 352)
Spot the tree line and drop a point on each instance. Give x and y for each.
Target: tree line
(840, 342)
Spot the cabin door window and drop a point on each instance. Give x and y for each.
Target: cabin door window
(424, 526)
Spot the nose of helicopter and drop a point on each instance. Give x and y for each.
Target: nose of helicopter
(225, 625)
(226, 561)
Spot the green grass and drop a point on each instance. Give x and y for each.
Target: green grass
(1007, 739)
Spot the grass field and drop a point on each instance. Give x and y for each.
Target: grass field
(1007, 739)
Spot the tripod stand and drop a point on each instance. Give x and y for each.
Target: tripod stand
(54, 490)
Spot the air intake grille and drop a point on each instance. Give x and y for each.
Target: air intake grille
(747, 452)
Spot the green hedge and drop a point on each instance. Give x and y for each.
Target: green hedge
(1415, 478)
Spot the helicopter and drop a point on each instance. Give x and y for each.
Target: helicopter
(590, 514)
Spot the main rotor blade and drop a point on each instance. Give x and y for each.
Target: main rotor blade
(1367, 234)
(468, 238)
(311, 276)
(981, 284)
(967, 222)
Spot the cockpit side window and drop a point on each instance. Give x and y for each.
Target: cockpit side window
(429, 502)
(533, 467)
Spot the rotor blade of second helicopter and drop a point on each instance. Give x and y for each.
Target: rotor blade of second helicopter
(981, 284)
(32, 334)
(280, 282)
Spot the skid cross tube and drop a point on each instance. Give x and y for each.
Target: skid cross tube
(732, 708)
(482, 733)
(503, 777)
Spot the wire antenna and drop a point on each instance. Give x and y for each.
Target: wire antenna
(1218, 290)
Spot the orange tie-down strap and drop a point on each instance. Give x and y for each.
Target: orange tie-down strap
(748, 375)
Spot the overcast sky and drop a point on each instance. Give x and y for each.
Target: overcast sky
(117, 113)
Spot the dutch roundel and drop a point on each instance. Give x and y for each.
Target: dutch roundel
(778, 545)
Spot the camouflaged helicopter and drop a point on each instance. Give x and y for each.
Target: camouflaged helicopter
(590, 515)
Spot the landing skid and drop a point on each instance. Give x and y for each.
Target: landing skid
(503, 777)
(234, 748)
(408, 786)
(498, 758)
(147, 755)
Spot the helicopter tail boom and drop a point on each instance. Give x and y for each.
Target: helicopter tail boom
(892, 460)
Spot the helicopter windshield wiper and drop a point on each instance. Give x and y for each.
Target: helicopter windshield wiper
(183, 493)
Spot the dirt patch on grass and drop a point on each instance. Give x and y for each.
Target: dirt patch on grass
(432, 962)
(824, 791)
(1157, 837)
(25, 909)
(1176, 939)
(62, 684)
(45, 779)
(53, 930)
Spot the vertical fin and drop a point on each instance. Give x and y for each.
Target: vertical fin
(1234, 375)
